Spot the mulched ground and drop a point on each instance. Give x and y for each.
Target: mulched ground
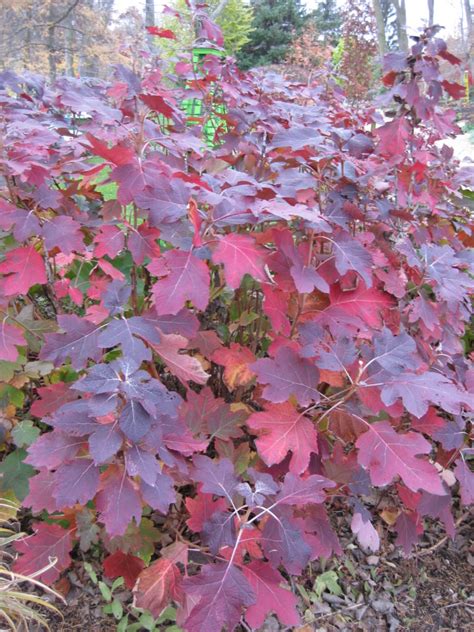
(430, 592)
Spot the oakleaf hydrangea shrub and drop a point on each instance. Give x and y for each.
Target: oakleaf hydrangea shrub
(232, 338)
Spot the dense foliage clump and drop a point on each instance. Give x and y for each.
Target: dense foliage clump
(231, 337)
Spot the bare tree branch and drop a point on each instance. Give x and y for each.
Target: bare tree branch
(71, 7)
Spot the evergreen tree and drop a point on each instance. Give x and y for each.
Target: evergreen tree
(274, 25)
(328, 21)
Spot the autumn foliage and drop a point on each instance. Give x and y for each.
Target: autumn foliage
(233, 342)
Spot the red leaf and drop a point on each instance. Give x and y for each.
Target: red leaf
(362, 305)
(123, 565)
(24, 268)
(201, 508)
(280, 428)
(240, 256)
(157, 103)
(455, 90)
(49, 542)
(117, 155)
(10, 338)
(452, 59)
(110, 241)
(40, 495)
(157, 585)
(142, 243)
(393, 137)
(166, 33)
(386, 455)
(51, 398)
(184, 366)
(196, 221)
(236, 360)
(270, 596)
(188, 280)
(275, 307)
(207, 415)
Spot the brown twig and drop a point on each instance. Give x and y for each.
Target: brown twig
(440, 543)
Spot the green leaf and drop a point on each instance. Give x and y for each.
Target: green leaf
(168, 614)
(14, 474)
(91, 572)
(7, 369)
(150, 534)
(123, 625)
(327, 581)
(11, 395)
(147, 621)
(25, 433)
(117, 609)
(38, 368)
(117, 583)
(105, 590)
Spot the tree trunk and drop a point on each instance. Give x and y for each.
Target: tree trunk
(468, 11)
(401, 24)
(51, 43)
(69, 47)
(430, 12)
(218, 10)
(150, 19)
(470, 36)
(381, 39)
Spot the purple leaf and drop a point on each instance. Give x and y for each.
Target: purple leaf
(161, 494)
(466, 481)
(286, 375)
(134, 420)
(283, 543)
(141, 463)
(80, 342)
(350, 255)
(418, 391)
(64, 233)
(438, 507)
(301, 491)
(395, 353)
(76, 482)
(219, 530)
(128, 332)
(117, 501)
(217, 477)
(222, 592)
(52, 449)
(105, 442)
(407, 532)
(74, 418)
(116, 296)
